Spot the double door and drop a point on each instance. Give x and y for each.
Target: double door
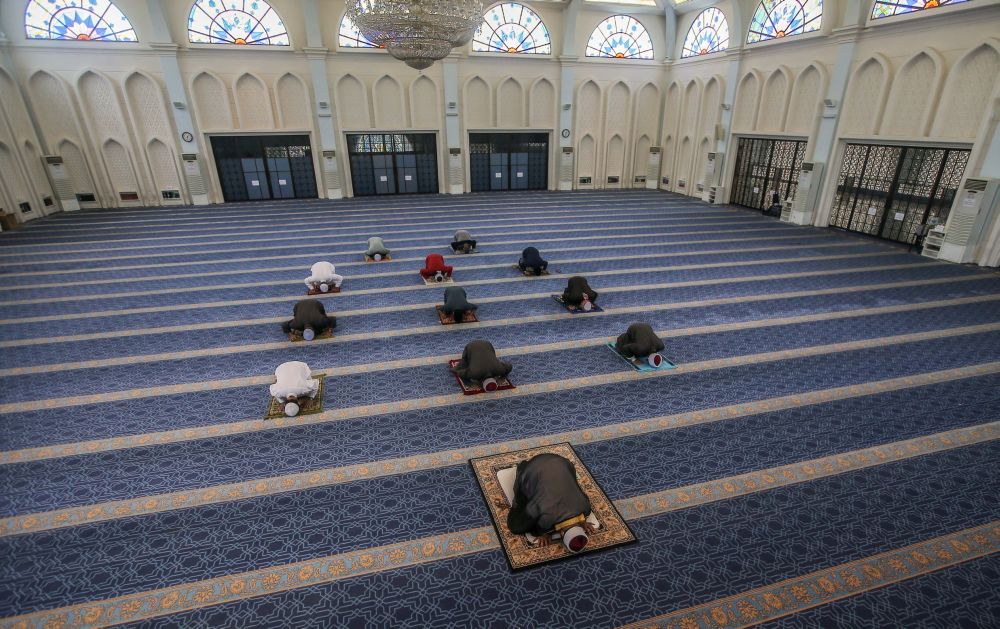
(258, 168)
(508, 161)
(765, 166)
(896, 192)
(393, 163)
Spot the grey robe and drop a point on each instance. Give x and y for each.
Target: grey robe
(375, 245)
(639, 341)
(545, 494)
(479, 362)
(455, 300)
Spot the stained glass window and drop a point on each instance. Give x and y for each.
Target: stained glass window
(80, 20)
(886, 8)
(240, 22)
(709, 33)
(513, 28)
(774, 19)
(620, 37)
(351, 37)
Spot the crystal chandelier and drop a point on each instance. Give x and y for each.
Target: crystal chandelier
(418, 32)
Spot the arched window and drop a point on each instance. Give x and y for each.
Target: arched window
(780, 18)
(240, 22)
(709, 33)
(513, 28)
(620, 37)
(92, 20)
(351, 37)
(888, 8)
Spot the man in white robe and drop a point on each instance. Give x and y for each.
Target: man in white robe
(294, 381)
(323, 276)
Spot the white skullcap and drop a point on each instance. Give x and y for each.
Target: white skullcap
(308, 334)
(291, 409)
(571, 534)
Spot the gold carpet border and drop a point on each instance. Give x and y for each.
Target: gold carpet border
(971, 543)
(592, 209)
(218, 385)
(501, 280)
(822, 587)
(327, 212)
(301, 268)
(395, 234)
(455, 399)
(188, 327)
(87, 514)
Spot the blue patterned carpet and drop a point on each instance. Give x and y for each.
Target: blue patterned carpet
(837, 401)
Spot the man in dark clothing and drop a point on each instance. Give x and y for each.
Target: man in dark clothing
(531, 261)
(480, 364)
(577, 292)
(775, 207)
(463, 242)
(310, 319)
(548, 499)
(456, 303)
(640, 342)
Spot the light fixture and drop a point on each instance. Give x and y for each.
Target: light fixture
(418, 32)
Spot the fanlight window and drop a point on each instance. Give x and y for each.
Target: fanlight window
(774, 19)
(884, 8)
(512, 28)
(351, 37)
(240, 22)
(620, 37)
(80, 20)
(709, 33)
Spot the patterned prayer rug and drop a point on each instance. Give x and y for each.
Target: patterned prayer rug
(296, 337)
(639, 364)
(449, 319)
(316, 291)
(521, 553)
(307, 406)
(594, 307)
(430, 281)
(529, 273)
(471, 388)
(385, 258)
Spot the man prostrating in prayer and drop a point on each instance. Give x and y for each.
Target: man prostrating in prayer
(547, 500)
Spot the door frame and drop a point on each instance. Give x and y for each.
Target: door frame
(215, 186)
(733, 150)
(440, 155)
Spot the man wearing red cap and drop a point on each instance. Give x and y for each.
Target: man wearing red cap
(547, 500)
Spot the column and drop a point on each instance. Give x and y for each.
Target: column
(452, 126)
(326, 118)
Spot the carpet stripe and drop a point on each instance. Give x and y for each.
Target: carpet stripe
(209, 592)
(439, 401)
(113, 510)
(507, 280)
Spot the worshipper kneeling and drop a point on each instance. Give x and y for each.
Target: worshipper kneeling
(376, 250)
(531, 262)
(639, 343)
(579, 295)
(309, 319)
(323, 278)
(294, 383)
(548, 500)
(463, 242)
(480, 365)
(435, 268)
(457, 306)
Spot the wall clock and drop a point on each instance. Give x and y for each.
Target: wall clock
(187, 137)
(565, 133)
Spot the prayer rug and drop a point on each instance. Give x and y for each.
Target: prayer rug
(385, 258)
(430, 281)
(493, 472)
(639, 364)
(449, 319)
(529, 273)
(296, 337)
(316, 291)
(471, 388)
(575, 310)
(307, 406)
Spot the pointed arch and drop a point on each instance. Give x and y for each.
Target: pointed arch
(478, 104)
(747, 99)
(58, 119)
(913, 95)
(804, 108)
(647, 110)
(387, 97)
(619, 97)
(33, 159)
(15, 183)
(94, 20)
(145, 99)
(163, 165)
(512, 28)
(510, 104)
(425, 104)
(887, 8)
(640, 167)
(212, 102)
(672, 110)
(253, 102)
(709, 33)
(775, 19)
(237, 23)
(620, 37)
(588, 111)
(352, 103)
(294, 111)
(76, 166)
(586, 165)
(691, 108)
(121, 174)
(966, 95)
(542, 104)
(614, 160)
(865, 100)
(711, 110)
(774, 100)
(99, 97)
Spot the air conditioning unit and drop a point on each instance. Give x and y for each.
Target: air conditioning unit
(975, 208)
(706, 189)
(806, 194)
(715, 194)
